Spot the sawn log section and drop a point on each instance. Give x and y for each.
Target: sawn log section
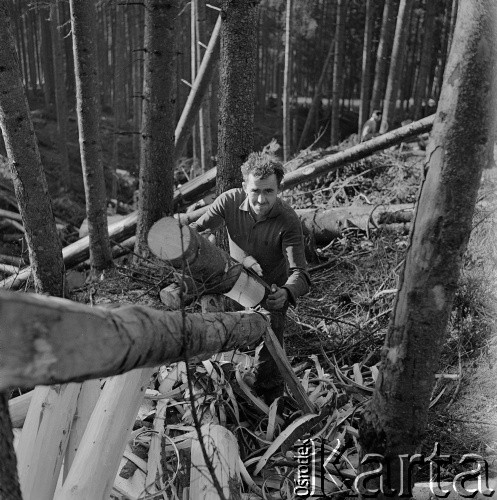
(44, 340)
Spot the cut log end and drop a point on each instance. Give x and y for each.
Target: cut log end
(169, 241)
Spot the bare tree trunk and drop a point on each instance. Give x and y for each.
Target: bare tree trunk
(395, 420)
(426, 59)
(83, 15)
(45, 249)
(47, 57)
(453, 18)
(237, 82)
(384, 50)
(364, 110)
(318, 94)
(159, 108)
(205, 111)
(338, 76)
(396, 64)
(9, 481)
(60, 91)
(287, 81)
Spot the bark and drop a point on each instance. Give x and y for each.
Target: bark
(396, 64)
(287, 81)
(159, 109)
(28, 177)
(237, 90)
(364, 111)
(316, 100)
(338, 69)
(396, 417)
(83, 15)
(384, 50)
(45, 340)
(453, 18)
(198, 91)
(9, 482)
(426, 59)
(60, 91)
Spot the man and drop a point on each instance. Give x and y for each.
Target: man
(262, 226)
(372, 126)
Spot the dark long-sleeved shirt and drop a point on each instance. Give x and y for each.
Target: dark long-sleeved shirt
(276, 242)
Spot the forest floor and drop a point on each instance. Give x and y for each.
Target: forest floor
(336, 333)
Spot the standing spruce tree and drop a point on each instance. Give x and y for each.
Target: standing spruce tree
(395, 419)
(237, 89)
(364, 111)
(159, 108)
(83, 15)
(44, 246)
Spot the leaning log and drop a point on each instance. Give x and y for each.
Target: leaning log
(194, 191)
(45, 340)
(333, 162)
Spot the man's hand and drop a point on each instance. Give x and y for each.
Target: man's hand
(277, 298)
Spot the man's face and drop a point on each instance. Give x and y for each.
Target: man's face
(377, 117)
(261, 193)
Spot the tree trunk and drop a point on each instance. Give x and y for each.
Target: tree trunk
(47, 57)
(287, 81)
(426, 59)
(237, 89)
(384, 50)
(205, 111)
(44, 246)
(159, 111)
(396, 64)
(83, 15)
(453, 18)
(82, 342)
(338, 66)
(396, 417)
(60, 91)
(364, 111)
(9, 482)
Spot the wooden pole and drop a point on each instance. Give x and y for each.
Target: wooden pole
(45, 340)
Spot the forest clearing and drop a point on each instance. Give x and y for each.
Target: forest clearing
(141, 347)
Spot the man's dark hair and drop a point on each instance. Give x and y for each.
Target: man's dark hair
(377, 112)
(262, 165)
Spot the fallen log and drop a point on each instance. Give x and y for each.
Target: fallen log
(222, 449)
(325, 225)
(78, 252)
(45, 340)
